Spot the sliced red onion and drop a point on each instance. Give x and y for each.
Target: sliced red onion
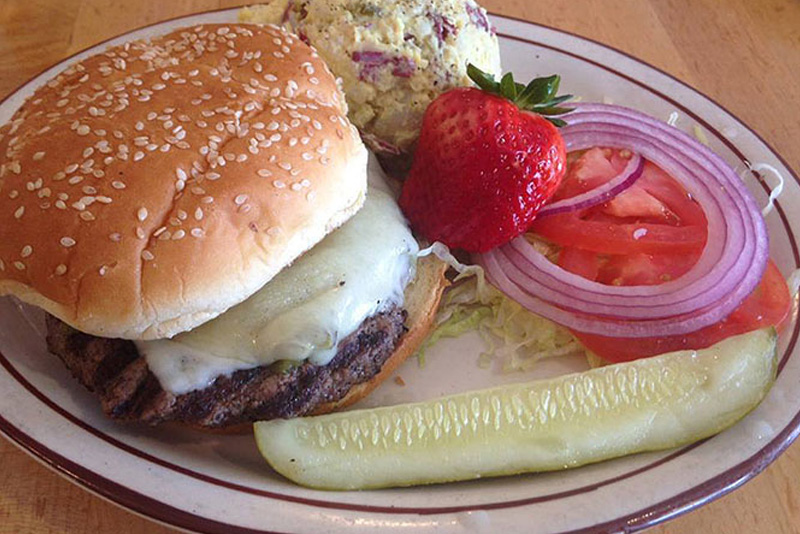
(371, 61)
(478, 17)
(729, 268)
(443, 27)
(379, 145)
(598, 195)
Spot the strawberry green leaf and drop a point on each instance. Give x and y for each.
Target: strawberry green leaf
(539, 96)
(551, 111)
(508, 88)
(482, 79)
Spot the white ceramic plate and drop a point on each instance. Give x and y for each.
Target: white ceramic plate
(219, 484)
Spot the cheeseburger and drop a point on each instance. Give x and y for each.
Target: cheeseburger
(192, 214)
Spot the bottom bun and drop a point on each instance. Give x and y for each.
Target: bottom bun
(422, 300)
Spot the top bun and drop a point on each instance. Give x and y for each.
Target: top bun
(148, 188)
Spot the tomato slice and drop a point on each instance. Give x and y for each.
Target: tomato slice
(610, 237)
(651, 233)
(653, 216)
(769, 305)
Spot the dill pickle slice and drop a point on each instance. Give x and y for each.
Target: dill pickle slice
(644, 405)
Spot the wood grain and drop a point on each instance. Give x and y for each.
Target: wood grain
(744, 54)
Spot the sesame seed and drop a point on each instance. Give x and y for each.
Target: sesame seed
(61, 205)
(117, 184)
(147, 255)
(197, 232)
(139, 126)
(178, 234)
(61, 269)
(138, 155)
(27, 250)
(285, 166)
(19, 265)
(207, 200)
(264, 173)
(87, 216)
(103, 199)
(102, 271)
(142, 214)
(279, 184)
(20, 212)
(13, 194)
(67, 242)
(83, 130)
(306, 156)
(38, 156)
(69, 169)
(115, 237)
(140, 233)
(240, 199)
(296, 187)
(160, 231)
(182, 215)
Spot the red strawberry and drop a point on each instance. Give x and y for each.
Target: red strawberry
(486, 162)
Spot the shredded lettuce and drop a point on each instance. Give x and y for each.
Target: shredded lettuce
(793, 281)
(673, 118)
(776, 191)
(700, 135)
(516, 338)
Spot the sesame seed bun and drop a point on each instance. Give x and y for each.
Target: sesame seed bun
(146, 189)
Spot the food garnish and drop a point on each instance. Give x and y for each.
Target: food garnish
(487, 161)
(572, 420)
(728, 269)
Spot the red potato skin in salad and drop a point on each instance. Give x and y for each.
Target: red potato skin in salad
(601, 244)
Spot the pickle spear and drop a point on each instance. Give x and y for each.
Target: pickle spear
(568, 421)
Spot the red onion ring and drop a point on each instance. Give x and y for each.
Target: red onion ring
(598, 195)
(729, 268)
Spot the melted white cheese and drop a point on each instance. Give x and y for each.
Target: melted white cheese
(304, 311)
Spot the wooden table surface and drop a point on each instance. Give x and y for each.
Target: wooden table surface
(745, 54)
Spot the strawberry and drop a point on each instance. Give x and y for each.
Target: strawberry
(486, 162)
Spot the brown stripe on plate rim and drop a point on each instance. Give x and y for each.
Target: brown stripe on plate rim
(685, 501)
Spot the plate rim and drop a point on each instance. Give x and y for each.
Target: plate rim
(704, 492)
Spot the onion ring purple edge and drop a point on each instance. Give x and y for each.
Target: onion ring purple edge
(615, 186)
(750, 257)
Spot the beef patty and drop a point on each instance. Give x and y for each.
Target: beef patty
(115, 371)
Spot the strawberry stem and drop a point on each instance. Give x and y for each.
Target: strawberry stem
(539, 96)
